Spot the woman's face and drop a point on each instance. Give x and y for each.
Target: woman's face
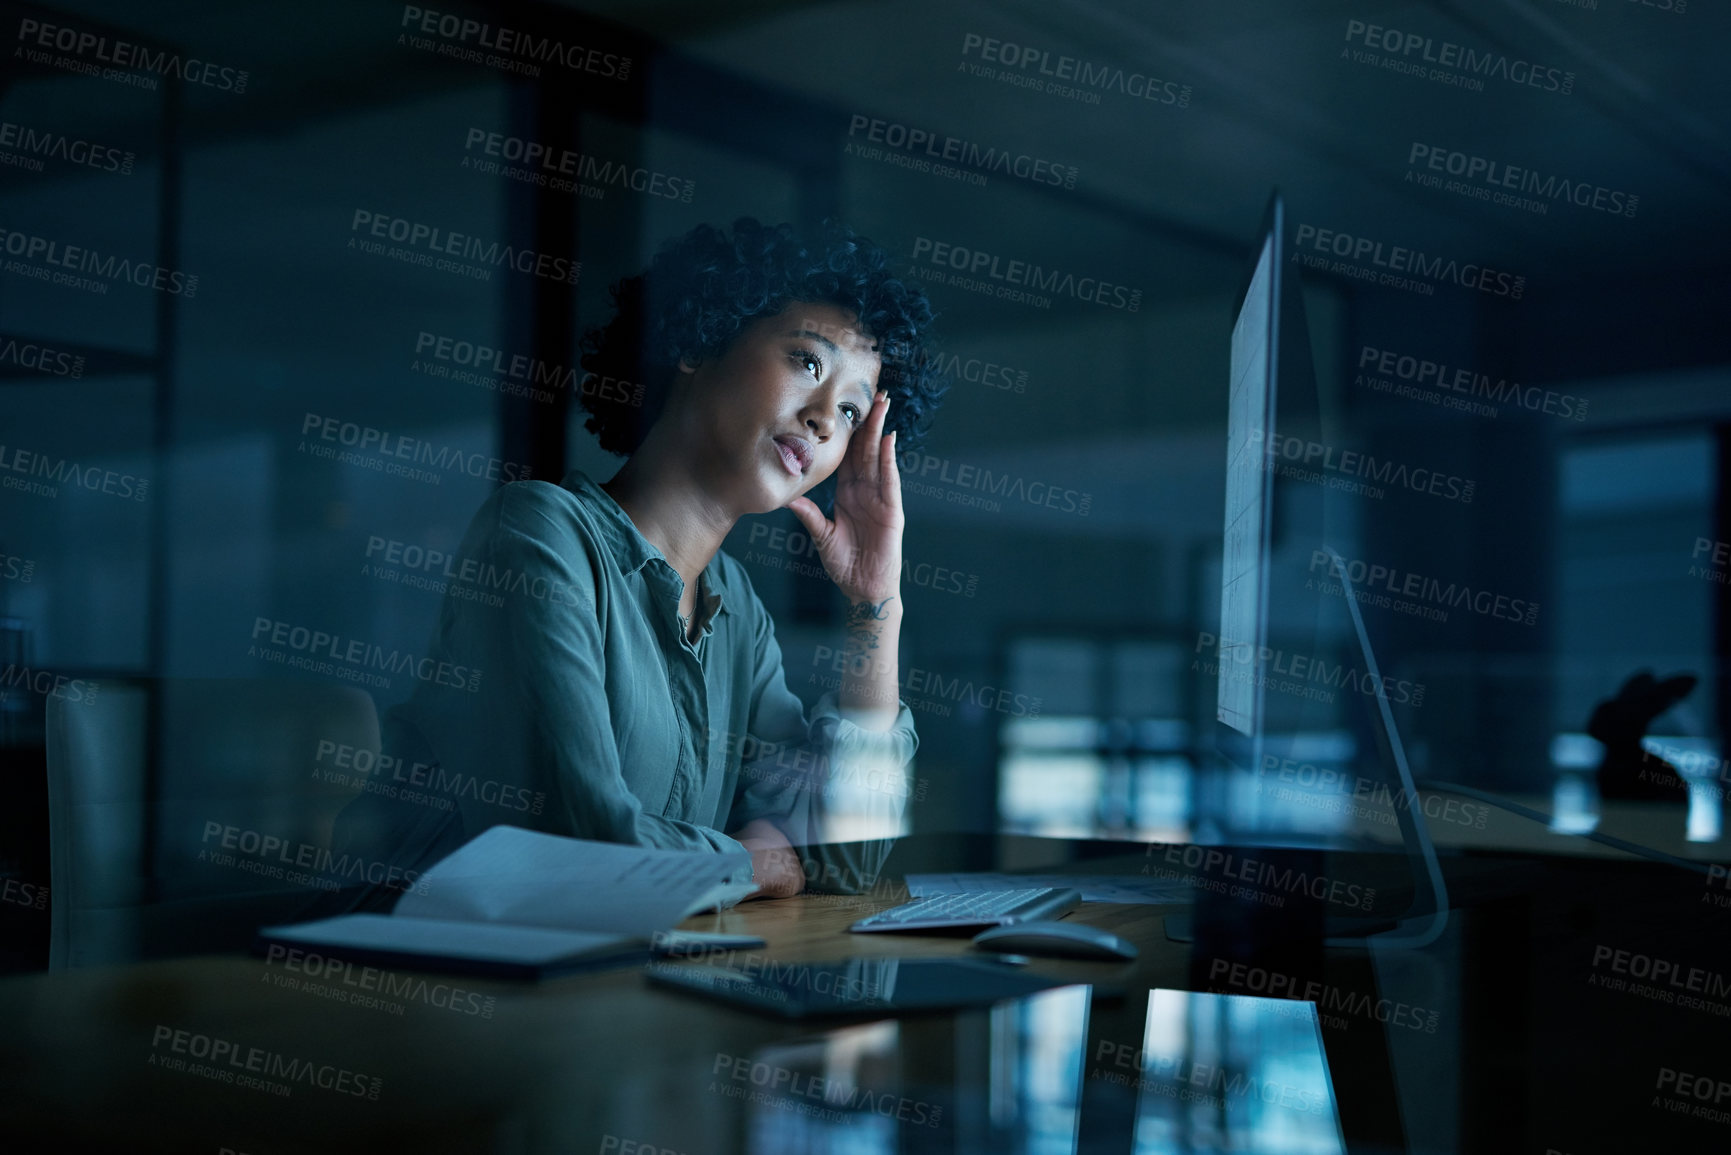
(773, 415)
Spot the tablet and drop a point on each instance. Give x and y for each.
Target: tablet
(854, 987)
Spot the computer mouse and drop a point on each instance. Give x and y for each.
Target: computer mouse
(1069, 939)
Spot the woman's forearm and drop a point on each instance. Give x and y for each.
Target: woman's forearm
(870, 691)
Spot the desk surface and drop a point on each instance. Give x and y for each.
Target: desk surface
(559, 1066)
(1526, 1048)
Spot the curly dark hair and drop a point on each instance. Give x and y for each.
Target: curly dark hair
(702, 288)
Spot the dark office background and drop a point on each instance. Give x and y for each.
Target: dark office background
(1095, 622)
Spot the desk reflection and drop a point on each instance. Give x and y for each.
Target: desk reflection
(1214, 1073)
(1231, 1073)
(1007, 1079)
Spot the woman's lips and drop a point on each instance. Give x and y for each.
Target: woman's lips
(795, 454)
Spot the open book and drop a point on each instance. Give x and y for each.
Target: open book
(515, 903)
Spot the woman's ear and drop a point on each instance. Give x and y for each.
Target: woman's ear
(689, 364)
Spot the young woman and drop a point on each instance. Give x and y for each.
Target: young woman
(631, 688)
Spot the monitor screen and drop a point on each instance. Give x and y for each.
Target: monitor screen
(1244, 563)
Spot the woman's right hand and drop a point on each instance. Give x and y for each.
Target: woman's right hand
(775, 867)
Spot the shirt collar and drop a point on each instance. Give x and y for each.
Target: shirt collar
(631, 550)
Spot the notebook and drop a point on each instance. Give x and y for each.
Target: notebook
(515, 903)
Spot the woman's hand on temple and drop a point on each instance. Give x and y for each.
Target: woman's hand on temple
(862, 548)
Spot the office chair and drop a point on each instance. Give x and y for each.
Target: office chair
(139, 868)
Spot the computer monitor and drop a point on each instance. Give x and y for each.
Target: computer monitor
(1249, 487)
(1244, 558)
(1272, 404)
(1271, 394)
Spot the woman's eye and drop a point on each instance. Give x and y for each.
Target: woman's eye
(809, 361)
(853, 414)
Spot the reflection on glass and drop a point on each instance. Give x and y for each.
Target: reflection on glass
(853, 804)
(839, 1094)
(1037, 1072)
(1009, 1081)
(1698, 762)
(1233, 1073)
(1574, 805)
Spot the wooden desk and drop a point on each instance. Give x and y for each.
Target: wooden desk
(581, 1064)
(1534, 999)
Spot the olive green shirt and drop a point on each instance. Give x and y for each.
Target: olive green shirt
(583, 709)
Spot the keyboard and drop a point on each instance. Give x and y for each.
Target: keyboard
(977, 908)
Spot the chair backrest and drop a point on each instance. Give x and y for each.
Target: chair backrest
(250, 776)
(96, 823)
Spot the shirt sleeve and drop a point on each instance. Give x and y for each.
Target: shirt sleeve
(835, 788)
